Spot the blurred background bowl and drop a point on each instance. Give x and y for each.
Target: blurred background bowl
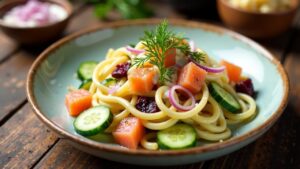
(34, 35)
(255, 24)
(204, 9)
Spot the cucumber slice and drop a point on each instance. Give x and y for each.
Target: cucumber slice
(109, 81)
(179, 136)
(86, 84)
(86, 69)
(224, 98)
(93, 121)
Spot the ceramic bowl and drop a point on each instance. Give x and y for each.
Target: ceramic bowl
(195, 8)
(54, 70)
(34, 35)
(255, 24)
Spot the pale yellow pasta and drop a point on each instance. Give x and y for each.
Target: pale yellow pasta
(218, 126)
(180, 115)
(118, 117)
(148, 144)
(247, 112)
(160, 125)
(206, 135)
(140, 45)
(208, 118)
(109, 53)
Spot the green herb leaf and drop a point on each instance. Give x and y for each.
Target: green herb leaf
(102, 9)
(197, 56)
(129, 9)
(157, 43)
(132, 45)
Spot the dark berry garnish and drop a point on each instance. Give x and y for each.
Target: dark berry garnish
(121, 70)
(246, 87)
(146, 104)
(155, 87)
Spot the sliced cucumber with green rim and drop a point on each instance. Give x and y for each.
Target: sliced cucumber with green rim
(224, 98)
(179, 136)
(109, 81)
(93, 121)
(86, 69)
(86, 84)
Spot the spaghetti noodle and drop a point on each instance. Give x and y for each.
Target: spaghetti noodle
(209, 119)
(208, 116)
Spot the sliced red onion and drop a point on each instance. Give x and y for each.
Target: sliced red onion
(43, 16)
(192, 46)
(113, 89)
(29, 9)
(33, 13)
(135, 51)
(210, 69)
(174, 102)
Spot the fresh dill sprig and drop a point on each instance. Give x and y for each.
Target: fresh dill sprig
(197, 56)
(157, 43)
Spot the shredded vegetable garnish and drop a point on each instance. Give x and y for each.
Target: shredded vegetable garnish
(178, 105)
(158, 43)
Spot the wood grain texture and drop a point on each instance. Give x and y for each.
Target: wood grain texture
(24, 139)
(64, 155)
(278, 147)
(265, 153)
(7, 47)
(84, 19)
(13, 72)
(289, 143)
(13, 79)
(261, 154)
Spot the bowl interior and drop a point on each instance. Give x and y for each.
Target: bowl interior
(58, 70)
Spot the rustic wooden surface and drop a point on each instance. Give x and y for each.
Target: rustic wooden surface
(26, 143)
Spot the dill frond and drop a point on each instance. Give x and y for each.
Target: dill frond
(157, 43)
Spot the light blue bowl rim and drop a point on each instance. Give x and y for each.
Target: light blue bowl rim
(117, 149)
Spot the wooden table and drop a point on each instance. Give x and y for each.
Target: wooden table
(26, 143)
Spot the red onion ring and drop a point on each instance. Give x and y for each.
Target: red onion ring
(113, 89)
(177, 105)
(134, 51)
(210, 69)
(192, 46)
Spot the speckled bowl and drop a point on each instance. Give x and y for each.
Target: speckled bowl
(54, 70)
(34, 35)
